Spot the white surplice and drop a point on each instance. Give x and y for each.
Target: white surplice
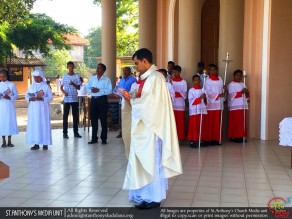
(8, 122)
(39, 123)
(171, 90)
(154, 151)
(236, 103)
(197, 108)
(180, 87)
(213, 89)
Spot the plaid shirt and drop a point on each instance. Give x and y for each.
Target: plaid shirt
(70, 89)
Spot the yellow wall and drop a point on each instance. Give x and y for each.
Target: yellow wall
(252, 61)
(279, 104)
(22, 86)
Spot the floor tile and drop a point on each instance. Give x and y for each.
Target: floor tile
(72, 173)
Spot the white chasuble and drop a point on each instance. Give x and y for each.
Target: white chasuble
(152, 119)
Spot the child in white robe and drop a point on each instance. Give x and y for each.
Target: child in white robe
(8, 94)
(181, 92)
(39, 96)
(169, 85)
(238, 95)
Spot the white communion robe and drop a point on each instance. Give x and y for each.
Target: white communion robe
(8, 122)
(154, 152)
(39, 123)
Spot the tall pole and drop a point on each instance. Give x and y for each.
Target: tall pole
(244, 107)
(222, 99)
(202, 103)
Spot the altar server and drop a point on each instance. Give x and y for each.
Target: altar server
(169, 85)
(38, 96)
(238, 95)
(197, 106)
(180, 89)
(8, 94)
(215, 93)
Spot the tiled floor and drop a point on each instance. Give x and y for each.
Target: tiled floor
(73, 173)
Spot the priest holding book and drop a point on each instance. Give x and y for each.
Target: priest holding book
(154, 151)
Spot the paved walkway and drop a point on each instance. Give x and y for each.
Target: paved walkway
(73, 173)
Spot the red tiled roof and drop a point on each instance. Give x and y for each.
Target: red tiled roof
(13, 61)
(74, 39)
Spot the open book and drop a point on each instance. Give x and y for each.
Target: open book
(118, 91)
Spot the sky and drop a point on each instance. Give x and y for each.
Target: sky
(81, 14)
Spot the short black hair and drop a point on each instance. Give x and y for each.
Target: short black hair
(201, 64)
(176, 68)
(195, 76)
(237, 71)
(213, 66)
(102, 66)
(143, 54)
(70, 63)
(162, 70)
(171, 63)
(128, 68)
(4, 71)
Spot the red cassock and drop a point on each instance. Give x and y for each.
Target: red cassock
(194, 127)
(212, 128)
(236, 125)
(180, 124)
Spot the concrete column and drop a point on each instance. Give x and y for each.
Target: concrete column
(230, 40)
(147, 25)
(231, 35)
(189, 37)
(109, 37)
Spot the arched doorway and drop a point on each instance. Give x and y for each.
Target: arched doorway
(210, 31)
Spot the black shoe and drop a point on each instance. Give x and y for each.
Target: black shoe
(65, 136)
(93, 142)
(103, 142)
(45, 147)
(203, 144)
(35, 147)
(207, 143)
(238, 140)
(146, 205)
(119, 135)
(213, 143)
(192, 144)
(196, 144)
(76, 135)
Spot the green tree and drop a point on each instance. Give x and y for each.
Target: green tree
(38, 32)
(33, 34)
(5, 45)
(127, 26)
(57, 63)
(14, 11)
(93, 50)
(82, 70)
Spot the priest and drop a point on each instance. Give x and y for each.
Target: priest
(154, 151)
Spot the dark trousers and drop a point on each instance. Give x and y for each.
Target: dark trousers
(98, 110)
(75, 114)
(120, 118)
